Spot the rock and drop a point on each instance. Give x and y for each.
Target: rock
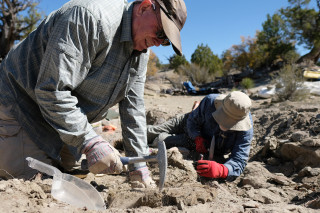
(251, 204)
(151, 199)
(316, 128)
(3, 186)
(156, 117)
(301, 156)
(9, 191)
(271, 144)
(311, 109)
(281, 179)
(256, 176)
(314, 204)
(180, 205)
(273, 161)
(308, 171)
(175, 158)
(298, 136)
(188, 196)
(312, 142)
(264, 196)
(279, 191)
(124, 199)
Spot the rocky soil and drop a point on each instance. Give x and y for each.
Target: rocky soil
(282, 175)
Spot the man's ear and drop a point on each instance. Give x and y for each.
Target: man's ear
(144, 5)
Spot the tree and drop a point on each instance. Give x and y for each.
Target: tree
(247, 54)
(13, 25)
(275, 40)
(175, 61)
(204, 57)
(152, 67)
(305, 27)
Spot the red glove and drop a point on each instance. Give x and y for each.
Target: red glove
(211, 169)
(200, 145)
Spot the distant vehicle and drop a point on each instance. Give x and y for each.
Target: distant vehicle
(312, 74)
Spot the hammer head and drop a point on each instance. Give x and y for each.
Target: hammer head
(163, 163)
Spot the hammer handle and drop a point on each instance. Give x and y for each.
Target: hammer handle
(126, 160)
(130, 160)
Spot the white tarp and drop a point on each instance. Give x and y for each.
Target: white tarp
(313, 86)
(267, 92)
(270, 91)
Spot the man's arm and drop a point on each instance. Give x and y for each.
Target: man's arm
(132, 113)
(240, 154)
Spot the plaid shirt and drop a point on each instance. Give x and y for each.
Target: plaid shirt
(67, 73)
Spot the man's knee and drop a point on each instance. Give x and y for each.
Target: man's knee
(15, 146)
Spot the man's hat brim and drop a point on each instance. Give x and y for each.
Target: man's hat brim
(172, 32)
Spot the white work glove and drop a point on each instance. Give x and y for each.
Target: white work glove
(102, 157)
(142, 176)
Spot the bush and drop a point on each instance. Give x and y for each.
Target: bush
(204, 57)
(197, 75)
(289, 84)
(175, 61)
(247, 83)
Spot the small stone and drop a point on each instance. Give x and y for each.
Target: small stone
(298, 136)
(309, 172)
(180, 205)
(251, 204)
(273, 161)
(311, 142)
(3, 187)
(9, 191)
(316, 128)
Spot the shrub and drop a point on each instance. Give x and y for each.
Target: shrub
(247, 83)
(175, 61)
(197, 75)
(289, 84)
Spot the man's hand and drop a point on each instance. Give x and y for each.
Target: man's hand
(211, 169)
(200, 148)
(195, 105)
(102, 157)
(142, 175)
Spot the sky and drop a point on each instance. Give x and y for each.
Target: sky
(216, 23)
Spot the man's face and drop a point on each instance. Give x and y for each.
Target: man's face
(145, 28)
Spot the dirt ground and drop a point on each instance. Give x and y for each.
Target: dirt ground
(282, 175)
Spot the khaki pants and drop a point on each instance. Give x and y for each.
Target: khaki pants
(16, 145)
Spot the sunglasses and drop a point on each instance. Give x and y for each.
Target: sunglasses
(161, 34)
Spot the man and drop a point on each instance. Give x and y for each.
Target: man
(83, 59)
(224, 121)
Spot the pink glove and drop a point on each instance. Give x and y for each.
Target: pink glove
(142, 175)
(200, 148)
(102, 157)
(211, 169)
